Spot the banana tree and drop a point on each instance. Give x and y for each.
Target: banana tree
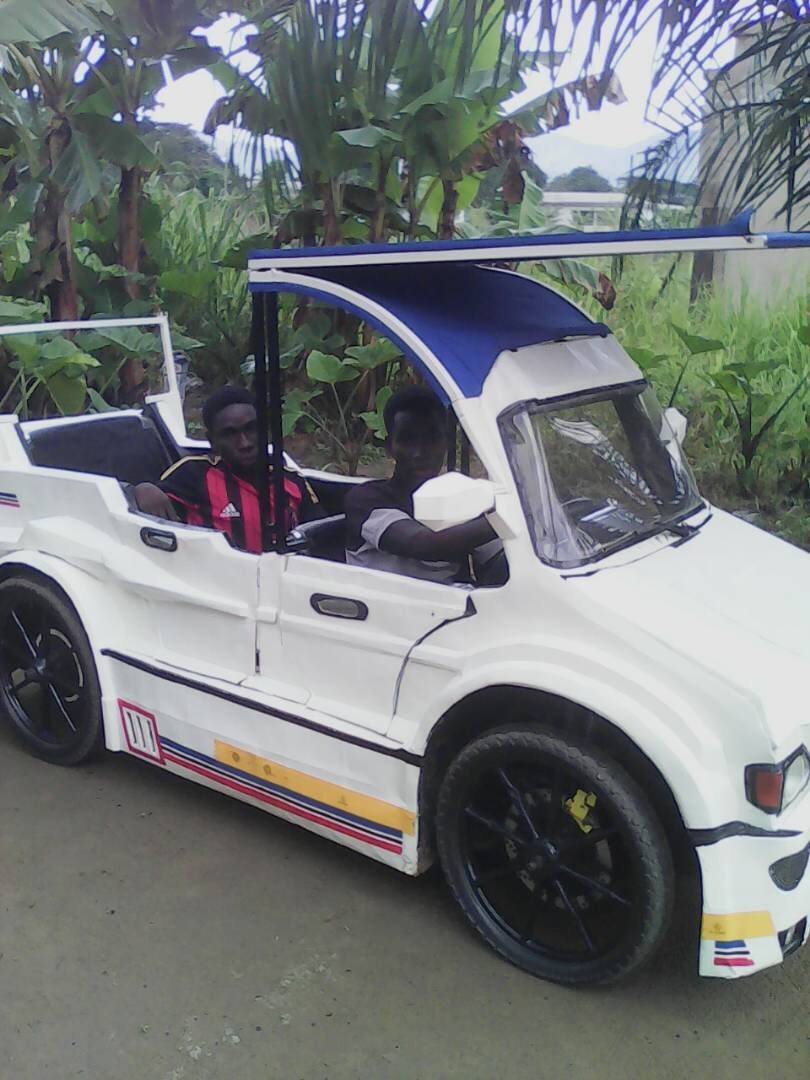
(52, 160)
(48, 167)
(137, 38)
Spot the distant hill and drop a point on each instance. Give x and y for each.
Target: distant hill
(555, 154)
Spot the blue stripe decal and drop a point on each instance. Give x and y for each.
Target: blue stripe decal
(284, 793)
(295, 800)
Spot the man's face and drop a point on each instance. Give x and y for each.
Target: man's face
(234, 436)
(418, 445)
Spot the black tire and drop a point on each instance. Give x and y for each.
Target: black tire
(49, 690)
(515, 813)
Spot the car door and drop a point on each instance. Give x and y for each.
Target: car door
(337, 636)
(196, 595)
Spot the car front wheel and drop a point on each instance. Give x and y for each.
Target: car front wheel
(555, 856)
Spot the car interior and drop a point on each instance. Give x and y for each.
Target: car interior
(136, 447)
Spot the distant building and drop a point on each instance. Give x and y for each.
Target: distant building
(585, 209)
(589, 209)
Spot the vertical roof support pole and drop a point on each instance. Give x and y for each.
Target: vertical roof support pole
(259, 343)
(465, 453)
(452, 440)
(279, 527)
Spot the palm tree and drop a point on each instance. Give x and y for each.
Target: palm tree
(375, 103)
(739, 132)
(136, 39)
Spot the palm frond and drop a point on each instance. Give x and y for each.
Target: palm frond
(743, 136)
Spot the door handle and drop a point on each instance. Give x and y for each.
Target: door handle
(158, 538)
(339, 607)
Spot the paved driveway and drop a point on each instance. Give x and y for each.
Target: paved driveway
(153, 930)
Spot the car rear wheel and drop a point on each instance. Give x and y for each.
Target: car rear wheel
(49, 689)
(555, 856)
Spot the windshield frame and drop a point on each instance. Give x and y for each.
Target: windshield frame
(589, 396)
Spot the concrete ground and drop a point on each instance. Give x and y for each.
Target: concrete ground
(153, 930)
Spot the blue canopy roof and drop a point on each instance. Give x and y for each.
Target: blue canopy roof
(466, 313)
(466, 318)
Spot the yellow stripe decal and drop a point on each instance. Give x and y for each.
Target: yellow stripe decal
(742, 925)
(352, 802)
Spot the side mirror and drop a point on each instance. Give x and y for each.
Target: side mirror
(451, 499)
(678, 422)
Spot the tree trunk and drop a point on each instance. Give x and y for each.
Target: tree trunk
(703, 261)
(129, 225)
(410, 203)
(53, 265)
(377, 230)
(133, 372)
(447, 217)
(332, 231)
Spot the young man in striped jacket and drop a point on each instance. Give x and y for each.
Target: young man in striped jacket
(217, 490)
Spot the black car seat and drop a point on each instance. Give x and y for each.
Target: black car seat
(126, 446)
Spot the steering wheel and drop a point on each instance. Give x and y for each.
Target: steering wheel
(492, 570)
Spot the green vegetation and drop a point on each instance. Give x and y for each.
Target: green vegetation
(378, 120)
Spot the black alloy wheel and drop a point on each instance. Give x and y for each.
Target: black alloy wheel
(49, 689)
(555, 856)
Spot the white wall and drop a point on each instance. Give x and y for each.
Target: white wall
(766, 276)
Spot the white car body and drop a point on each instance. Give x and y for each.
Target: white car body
(215, 665)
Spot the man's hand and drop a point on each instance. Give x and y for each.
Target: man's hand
(153, 501)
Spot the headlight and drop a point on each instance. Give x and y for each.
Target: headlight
(773, 788)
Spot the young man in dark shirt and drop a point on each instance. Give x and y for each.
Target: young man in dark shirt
(218, 490)
(381, 531)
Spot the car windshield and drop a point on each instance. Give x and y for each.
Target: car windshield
(597, 472)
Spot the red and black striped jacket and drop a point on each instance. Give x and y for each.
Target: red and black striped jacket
(205, 491)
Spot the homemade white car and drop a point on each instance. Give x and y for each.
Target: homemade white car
(635, 687)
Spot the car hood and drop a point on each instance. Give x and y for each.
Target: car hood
(734, 598)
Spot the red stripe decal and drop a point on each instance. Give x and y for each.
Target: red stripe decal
(732, 961)
(262, 796)
(251, 516)
(192, 514)
(293, 502)
(218, 497)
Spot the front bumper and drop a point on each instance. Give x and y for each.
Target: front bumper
(756, 905)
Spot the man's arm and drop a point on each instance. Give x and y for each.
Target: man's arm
(151, 500)
(413, 540)
(180, 492)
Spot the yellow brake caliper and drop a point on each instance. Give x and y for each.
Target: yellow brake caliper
(580, 806)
